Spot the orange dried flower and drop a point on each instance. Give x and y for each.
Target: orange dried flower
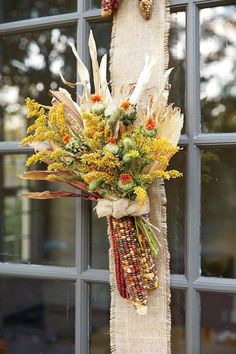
(66, 138)
(96, 98)
(112, 140)
(125, 178)
(150, 124)
(125, 105)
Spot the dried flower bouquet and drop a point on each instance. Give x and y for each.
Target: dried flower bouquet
(111, 150)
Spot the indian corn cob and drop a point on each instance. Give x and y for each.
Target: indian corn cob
(120, 280)
(136, 271)
(146, 8)
(108, 7)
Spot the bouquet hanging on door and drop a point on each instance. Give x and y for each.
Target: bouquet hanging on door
(111, 150)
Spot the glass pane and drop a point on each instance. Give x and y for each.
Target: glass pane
(98, 239)
(100, 314)
(99, 244)
(218, 210)
(175, 192)
(30, 65)
(218, 69)
(40, 319)
(218, 323)
(95, 4)
(14, 10)
(34, 231)
(178, 321)
(99, 319)
(177, 52)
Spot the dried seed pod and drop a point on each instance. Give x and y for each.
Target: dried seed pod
(146, 8)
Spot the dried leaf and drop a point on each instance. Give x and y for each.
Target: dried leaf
(94, 59)
(49, 195)
(81, 68)
(143, 79)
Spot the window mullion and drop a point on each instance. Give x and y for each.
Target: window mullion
(193, 181)
(38, 23)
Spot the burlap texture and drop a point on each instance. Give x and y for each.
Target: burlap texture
(132, 38)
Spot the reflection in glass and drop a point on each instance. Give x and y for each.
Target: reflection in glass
(218, 210)
(30, 65)
(99, 244)
(33, 231)
(40, 319)
(177, 51)
(175, 192)
(218, 69)
(14, 10)
(218, 323)
(99, 319)
(178, 321)
(95, 4)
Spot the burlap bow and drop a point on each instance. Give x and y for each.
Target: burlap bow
(120, 208)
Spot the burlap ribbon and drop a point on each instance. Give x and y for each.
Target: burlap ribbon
(132, 38)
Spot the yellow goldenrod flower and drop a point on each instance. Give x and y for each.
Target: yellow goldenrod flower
(38, 157)
(141, 195)
(89, 177)
(56, 166)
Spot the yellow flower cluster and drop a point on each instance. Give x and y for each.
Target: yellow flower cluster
(141, 195)
(38, 157)
(149, 177)
(57, 120)
(33, 108)
(56, 166)
(89, 177)
(102, 163)
(132, 154)
(95, 130)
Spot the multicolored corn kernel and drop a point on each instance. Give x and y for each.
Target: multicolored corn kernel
(149, 267)
(120, 280)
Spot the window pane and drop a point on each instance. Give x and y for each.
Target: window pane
(218, 323)
(95, 4)
(100, 314)
(177, 52)
(99, 319)
(14, 10)
(99, 244)
(98, 236)
(40, 319)
(30, 65)
(218, 210)
(178, 321)
(218, 69)
(34, 231)
(175, 192)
